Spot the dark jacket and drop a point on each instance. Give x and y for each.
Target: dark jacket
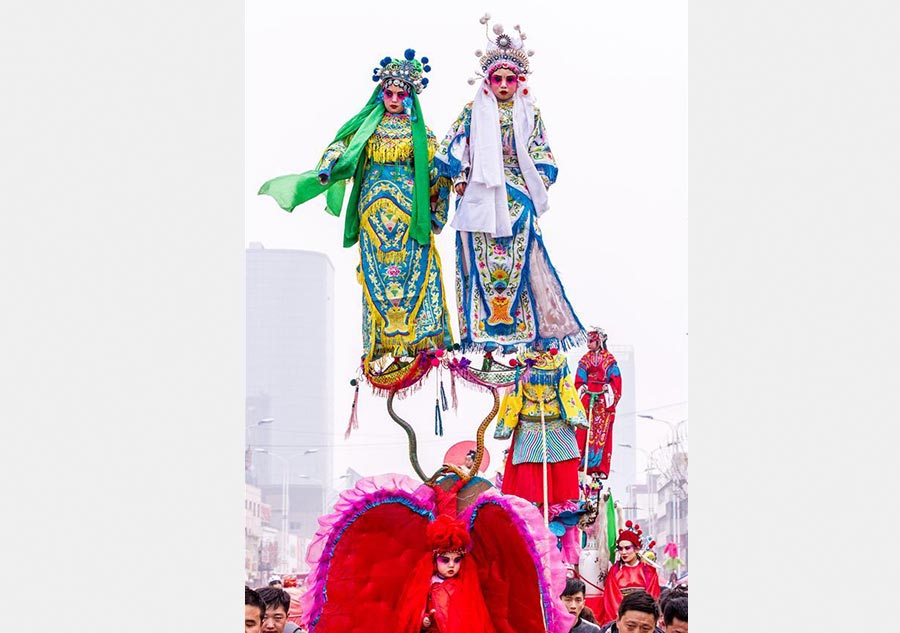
(583, 626)
(610, 627)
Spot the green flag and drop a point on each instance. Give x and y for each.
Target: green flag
(611, 527)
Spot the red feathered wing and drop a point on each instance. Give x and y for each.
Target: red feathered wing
(363, 554)
(521, 571)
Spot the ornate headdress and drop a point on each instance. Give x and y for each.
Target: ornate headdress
(597, 332)
(503, 51)
(633, 533)
(446, 534)
(408, 72)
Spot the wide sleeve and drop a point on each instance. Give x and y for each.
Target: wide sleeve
(539, 149)
(439, 189)
(614, 379)
(331, 156)
(509, 414)
(573, 410)
(452, 157)
(581, 374)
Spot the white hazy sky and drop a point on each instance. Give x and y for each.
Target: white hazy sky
(611, 81)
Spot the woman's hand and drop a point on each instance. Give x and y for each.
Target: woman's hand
(426, 621)
(460, 188)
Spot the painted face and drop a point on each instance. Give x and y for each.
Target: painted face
(677, 626)
(393, 98)
(593, 343)
(470, 461)
(503, 84)
(252, 619)
(275, 619)
(574, 603)
(636, 622)
(448, 563)
(627, 552)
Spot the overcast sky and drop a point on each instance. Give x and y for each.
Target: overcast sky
(611, 82)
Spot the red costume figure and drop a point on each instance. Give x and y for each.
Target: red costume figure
(443, 594)
(600, 384)
(629, 573)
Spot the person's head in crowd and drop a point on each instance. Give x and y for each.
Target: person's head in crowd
(588, 614)
(278, 604)
(638, 613)
(665, 595)
(573, 597)
(470, 460)
(275, 581)
(254, 611)
(676, 615)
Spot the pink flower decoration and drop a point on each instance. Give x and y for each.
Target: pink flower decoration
(499, 250)
(393, 271)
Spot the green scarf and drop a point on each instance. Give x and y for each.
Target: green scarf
(294, 189)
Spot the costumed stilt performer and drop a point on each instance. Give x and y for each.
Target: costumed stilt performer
(500, 161)
(396, 201)
(630, 572)
(541, 414)
(599, 382)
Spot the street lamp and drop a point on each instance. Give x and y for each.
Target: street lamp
(285, 496)
(651, 489)
(676, 505)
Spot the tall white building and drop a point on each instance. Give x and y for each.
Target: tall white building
(289, 385)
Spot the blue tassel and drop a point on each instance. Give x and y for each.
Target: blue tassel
(443, 398)
(438, 422)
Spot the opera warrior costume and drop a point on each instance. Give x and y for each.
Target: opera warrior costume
(600, 383)
(396, 198)
(508, 291)
(544, 394)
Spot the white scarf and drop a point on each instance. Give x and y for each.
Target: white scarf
(484, 207)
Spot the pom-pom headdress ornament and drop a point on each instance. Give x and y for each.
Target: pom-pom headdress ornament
(408, 72)
(446, 534)
(597, 332)
(634, 535)
(503, 50)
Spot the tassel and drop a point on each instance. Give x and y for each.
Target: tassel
(354, 420)
(438, 422)
(453, 392)
(444, 406)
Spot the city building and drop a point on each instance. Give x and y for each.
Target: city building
(289, 390)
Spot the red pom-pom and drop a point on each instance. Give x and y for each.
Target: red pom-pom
(447, 535)
(521, 77)
(435, 362)
(439, 353)
(513, 362)
(628, 523)
(525, 91)
(652, 544)
(554, 351)
(485, 92)
(637, 527)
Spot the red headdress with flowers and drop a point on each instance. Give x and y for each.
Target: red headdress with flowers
(633, 534)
